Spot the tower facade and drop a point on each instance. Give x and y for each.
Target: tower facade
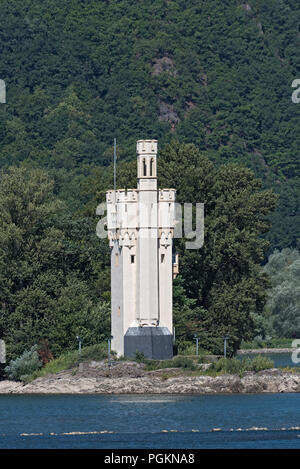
(140, 224)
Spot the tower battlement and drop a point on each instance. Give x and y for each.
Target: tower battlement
(146, 147)
(121, 195)
(167, 195)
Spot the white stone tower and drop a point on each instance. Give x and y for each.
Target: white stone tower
(140, 230)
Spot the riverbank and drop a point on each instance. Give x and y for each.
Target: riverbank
(131, 378)
(264, 350)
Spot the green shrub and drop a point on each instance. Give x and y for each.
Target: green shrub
(227, 365)
(24, 366)
(186, 348)
(140, 357)
(95, 352)
(183, 362)
(236, 366)
(260, 363)
(201, 358)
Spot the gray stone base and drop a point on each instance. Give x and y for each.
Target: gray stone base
(153, 342)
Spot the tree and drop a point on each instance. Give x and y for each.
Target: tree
(283, 306)
(47, 277)
(30, 255)
(224, 277)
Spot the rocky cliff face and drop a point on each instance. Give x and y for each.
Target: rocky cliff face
(131, 378)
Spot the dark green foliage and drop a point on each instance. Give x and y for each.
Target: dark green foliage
(70, 359)
(223, 278)
(177, 362)
(140, 357)
(54, 273)
(216, 74)
(48, 279)
(93, 352)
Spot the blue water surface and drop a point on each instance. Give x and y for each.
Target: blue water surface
(149, 421)
(279, 359)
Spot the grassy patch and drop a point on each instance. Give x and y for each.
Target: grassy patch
(290, 369)
(188, 365)
(176, 362)
(71, 359)
(189, 349)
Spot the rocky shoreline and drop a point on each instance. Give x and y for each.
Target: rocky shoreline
(131, 378)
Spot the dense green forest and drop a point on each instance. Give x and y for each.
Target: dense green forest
(214, 74)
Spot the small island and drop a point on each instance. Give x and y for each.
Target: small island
(92, 372)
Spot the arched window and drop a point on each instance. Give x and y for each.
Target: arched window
(144, 167)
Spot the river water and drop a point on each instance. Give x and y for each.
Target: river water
(279, 359)
(152, 421)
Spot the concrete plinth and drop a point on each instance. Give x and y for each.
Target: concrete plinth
(154, 342)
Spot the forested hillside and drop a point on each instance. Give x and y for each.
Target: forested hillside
(214, 74)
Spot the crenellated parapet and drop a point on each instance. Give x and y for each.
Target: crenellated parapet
(121, 195)
(125, 211)
(166, 195)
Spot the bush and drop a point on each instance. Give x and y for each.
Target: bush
(182, 362)
(71, 359)
(260, 363)
(235, 366)
(95, 352)
(228, 365)
(140, 357)
(25, 365)
(187, 348)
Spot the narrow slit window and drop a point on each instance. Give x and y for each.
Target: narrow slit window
(151, 166)
(162, 258)
(132, 258)
(144, 167)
